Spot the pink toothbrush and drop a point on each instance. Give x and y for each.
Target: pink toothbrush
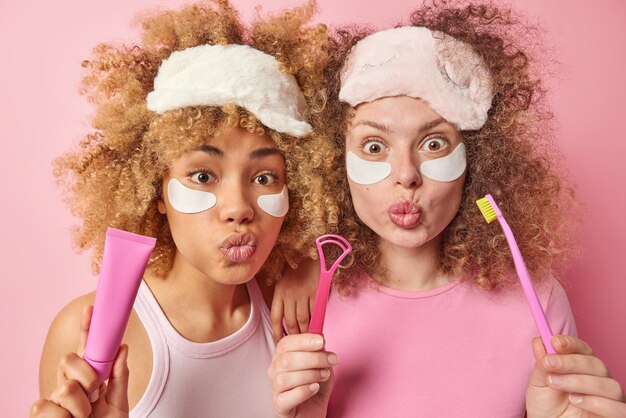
(323, 290)
(490, 211)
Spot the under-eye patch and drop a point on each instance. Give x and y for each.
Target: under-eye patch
(187, 200)
(448, 168)
(275, 205)
(366, 172)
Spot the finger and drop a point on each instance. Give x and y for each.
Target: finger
(587, 385)
(72, 367)
(285, 381)
(117, 388)
(85, 321)
(286, 402)
(311, 303)
(303, 315)
(303, 360)
(574, 364)
(539, 350)
(300, 342)
(71, 396)
(44, 408)
(276, 314)
(539, 373)
(568, 344)
(291, 321)
(598, 405)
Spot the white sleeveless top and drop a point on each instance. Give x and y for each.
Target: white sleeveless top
(225, 378)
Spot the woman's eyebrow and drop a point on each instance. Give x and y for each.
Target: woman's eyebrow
(372, 124)
(264, 152)
(433, 123)
(211, 150)
(257, 153)
(384, 128)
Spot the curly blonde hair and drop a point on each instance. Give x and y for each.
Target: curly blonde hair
(114, 179)
(513, 157)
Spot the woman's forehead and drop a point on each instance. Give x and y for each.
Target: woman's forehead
(397, 115)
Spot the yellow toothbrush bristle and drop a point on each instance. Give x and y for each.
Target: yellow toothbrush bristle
(486, 210)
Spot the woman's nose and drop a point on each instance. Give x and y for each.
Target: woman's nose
(405, 169)
(235, 205)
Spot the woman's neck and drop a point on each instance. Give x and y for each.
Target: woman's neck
(411, 269)
(200, 308)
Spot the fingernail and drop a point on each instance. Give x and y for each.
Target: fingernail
(333, 359)
(94, 396)
(324, 373)
(553, 361)
(317, 342)
(576, 399)
(560, 341)
(556, 380)
(314, 387)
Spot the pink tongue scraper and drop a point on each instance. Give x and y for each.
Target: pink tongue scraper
(323, 290)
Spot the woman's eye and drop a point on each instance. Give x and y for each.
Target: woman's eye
(265, 179)
(373, 147)
(434, 144)
(201, 177)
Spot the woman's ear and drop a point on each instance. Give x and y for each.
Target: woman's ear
(161, 201)
(161, 205)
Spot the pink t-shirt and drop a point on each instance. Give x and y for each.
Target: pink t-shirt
(455, 351)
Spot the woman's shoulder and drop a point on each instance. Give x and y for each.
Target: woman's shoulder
(66, 323)
(63, 337)
(552, 297)
(546, 288)
(550, 291)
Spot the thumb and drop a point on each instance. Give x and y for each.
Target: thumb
(539, 373)
(117, 387)
(85, 322)
(539, 351)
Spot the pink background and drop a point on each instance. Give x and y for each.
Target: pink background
(43, 43)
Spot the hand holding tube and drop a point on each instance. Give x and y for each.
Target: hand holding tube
(124, 262)
(78, 392)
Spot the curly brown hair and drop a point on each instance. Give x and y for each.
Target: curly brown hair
(114, 179)
(513, 156)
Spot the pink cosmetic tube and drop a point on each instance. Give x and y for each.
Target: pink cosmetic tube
(124, 262)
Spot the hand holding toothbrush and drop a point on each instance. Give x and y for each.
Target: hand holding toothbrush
(567, 380)
(572, 383)
(78, 393)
